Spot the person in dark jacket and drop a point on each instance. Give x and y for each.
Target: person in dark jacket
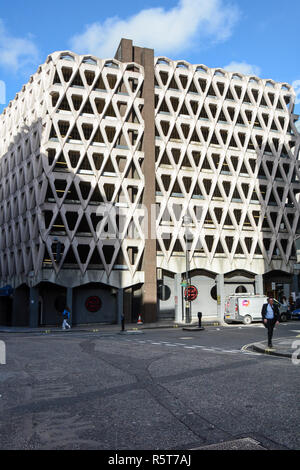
(270, 315)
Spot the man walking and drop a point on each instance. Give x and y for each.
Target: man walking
(66, 316)
(270, 315)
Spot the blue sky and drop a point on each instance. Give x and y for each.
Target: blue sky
(257, 36)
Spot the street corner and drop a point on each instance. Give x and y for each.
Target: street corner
(284, 347)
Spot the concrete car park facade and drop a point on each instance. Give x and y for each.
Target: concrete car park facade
(122, 178)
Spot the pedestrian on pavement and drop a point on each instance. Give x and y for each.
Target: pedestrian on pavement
(123, 321)
(66, 316)
(270, 315)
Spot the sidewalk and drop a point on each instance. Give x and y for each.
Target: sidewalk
(130, 328)
(284, 347)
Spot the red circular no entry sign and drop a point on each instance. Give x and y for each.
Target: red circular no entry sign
(191, 293)
(93, 303)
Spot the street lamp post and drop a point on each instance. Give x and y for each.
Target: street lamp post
(187, 220)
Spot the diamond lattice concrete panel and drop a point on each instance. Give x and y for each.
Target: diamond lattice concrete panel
(226, 155)
(71, 147)
(72, 152)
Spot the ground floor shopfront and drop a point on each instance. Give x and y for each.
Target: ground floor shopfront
(96, 302)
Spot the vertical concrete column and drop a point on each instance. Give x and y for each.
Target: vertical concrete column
(70, 303)
(220, 298)
(120, 305)
(149, 265)
(259, 284)
(34, 307)
(126, 52)
(178, 299)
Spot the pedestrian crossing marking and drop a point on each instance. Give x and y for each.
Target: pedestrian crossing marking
(185, 346)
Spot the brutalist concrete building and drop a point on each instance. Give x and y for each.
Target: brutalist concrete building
(122, 180)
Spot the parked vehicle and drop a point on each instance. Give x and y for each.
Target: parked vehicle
(247, 307)
(295, 314)
(284, 311)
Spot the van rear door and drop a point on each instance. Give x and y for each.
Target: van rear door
(231, 308)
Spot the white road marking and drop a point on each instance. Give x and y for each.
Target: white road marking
(215, 350)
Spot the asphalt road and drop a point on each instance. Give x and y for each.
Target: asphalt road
(160, 389)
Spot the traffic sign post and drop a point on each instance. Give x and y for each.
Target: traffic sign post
(190, 294)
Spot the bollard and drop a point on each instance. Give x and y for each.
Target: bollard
(195, 328)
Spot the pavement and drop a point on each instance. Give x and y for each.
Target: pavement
(106, 328)
(284, 347)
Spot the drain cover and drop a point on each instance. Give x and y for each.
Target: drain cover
(239, 444)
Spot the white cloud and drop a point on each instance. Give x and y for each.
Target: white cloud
(189, 23)
(16, 53)
(296, 86)
(244, 68)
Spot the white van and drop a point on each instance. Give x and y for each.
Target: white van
(244, 307)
